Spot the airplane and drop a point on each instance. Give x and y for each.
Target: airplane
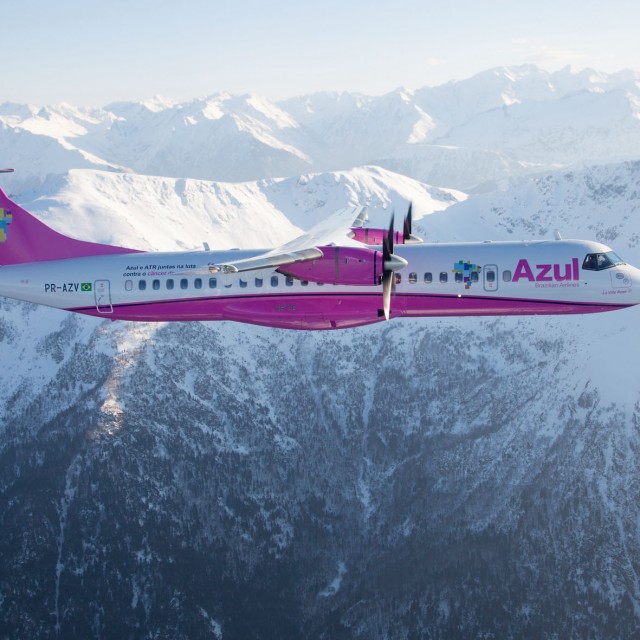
(338, 274)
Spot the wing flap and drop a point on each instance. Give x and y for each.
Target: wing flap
(267, 261)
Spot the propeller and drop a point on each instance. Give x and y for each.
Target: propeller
(406, 230)
(390, 264)
(408, 237)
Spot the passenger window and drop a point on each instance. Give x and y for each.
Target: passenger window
(428, 277)
(142, 285)
(506, 276)
(474, 276)
(184, 283)
(128, 285)
(304, 283)
(288, 281)
(243, 284)
(413, 277)
(170, 283)
(398, 278)
(156, 285)
(491, 276)
(197, 283)
(444, 276)
(213, 283)
(320, 284)
(258, 282)
(459, 276)
(274, 281)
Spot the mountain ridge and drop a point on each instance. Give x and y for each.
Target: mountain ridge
(429, 133)
(460, 477)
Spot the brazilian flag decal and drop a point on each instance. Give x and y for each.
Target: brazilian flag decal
(85, 286)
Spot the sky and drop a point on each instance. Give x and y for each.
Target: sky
(91, 53)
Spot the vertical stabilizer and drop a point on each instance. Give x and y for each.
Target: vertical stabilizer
(23, 238)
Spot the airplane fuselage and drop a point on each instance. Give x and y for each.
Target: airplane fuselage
(469, 279)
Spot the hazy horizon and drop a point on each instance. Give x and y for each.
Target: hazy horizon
(86, 55)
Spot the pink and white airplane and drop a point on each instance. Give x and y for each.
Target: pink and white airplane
(334, 276)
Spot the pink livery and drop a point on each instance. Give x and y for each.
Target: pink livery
(339, 274)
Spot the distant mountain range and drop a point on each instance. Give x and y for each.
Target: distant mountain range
(444, 478)
(466, 135)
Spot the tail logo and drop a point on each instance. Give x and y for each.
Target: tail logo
(5, 220)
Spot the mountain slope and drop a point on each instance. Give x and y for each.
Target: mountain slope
(154, 213)
(445, 478)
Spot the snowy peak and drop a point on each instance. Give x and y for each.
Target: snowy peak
(600, 203)
(309, 198)
(162, 214)
(510, 121)
(169, 214)
(459, 101)
(559, 132)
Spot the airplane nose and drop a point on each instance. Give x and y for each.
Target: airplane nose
(635, 284)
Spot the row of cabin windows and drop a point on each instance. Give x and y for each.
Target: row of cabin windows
(183, 283)
(212, 283)
(490, 276)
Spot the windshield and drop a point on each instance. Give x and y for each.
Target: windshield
(599, 261)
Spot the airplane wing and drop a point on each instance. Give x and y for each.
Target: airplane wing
(333, 230)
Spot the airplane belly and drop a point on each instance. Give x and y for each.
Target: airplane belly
(305, 311)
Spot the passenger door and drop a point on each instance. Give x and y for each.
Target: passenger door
(102, 291)
(490, 277)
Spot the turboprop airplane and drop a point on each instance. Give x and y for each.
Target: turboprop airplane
(339, 274)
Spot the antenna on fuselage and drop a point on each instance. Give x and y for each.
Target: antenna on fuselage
(556, 234)
(7, 170)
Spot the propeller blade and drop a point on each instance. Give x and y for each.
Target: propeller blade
(387, 285)
(406, 231)
(387, 242)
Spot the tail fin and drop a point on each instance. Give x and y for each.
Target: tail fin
(23, 238)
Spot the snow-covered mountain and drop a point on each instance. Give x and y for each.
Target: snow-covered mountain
(501, 123)
(169, 214)
(437, 478)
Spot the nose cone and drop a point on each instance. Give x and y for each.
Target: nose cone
(634, 273)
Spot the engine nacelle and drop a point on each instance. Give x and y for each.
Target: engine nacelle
(375, 236)
(340, 265)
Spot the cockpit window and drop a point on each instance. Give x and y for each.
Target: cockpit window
(600, 261)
